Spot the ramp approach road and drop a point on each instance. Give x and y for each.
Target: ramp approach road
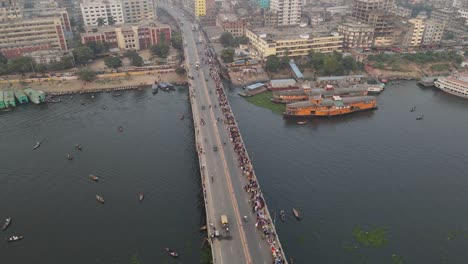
(222, 178)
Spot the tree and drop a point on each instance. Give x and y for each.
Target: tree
(21, 65)
(349, 64)
(227, 39)
(242, 40)
(100, 21)
(113, 62)
(3, 59)
(137, 61)
(83, 54)
(272, 63)
(161, 49)
(97, 47)
(227, 55)
(180, 70)
(87, 75)
(110, 21)
(285, 61)
(40, 68)
(176, 41)
(466, 53)
(330, 65)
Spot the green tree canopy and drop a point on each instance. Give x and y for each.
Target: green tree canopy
(40, 68)
(176, 41)
(100, 21)
(86, 74)
(3, 59)
(110, 20)
(20, 65)
(113, 62)
(83, 54)
(227, 39)
(180, 70)
(273, 63)
(227, 55)
(161, 49)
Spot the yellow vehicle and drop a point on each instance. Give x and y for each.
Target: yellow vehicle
(224, 222)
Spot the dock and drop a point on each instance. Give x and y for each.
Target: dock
(9, 98)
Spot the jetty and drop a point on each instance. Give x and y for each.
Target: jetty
(225, 166)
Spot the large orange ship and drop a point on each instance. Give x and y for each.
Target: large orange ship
(330, 107)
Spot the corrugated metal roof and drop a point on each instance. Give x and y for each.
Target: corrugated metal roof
(255, 86)
(330, 102)
(296, 70)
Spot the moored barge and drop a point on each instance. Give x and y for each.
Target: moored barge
(330, 107)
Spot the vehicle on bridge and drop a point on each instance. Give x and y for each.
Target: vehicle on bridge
(224, 222)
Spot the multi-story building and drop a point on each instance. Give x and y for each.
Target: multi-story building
(47, 56)
(73, 9)
(356, 35)
(443, 15)
(136, 11)
(230, 23)
(382, 21)
(292, 41)
(401, 11)
(28, 35)
(10, 10)
(414, 34)
(433, 32)
(288, 11)
(270, 19)
(39, 11)
(200, 8)
(133, 36)
(265, 4)
(106, 10)
(362, 8)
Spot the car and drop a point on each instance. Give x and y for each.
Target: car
(215, 148)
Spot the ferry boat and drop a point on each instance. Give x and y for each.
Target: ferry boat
(9, 98)
(2, 104)
(330, 107)
(456, 84)
(21, 97)
(37, 97)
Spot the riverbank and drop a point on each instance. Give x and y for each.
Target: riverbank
(108, 82)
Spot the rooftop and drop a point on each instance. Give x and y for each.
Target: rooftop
(287, 33)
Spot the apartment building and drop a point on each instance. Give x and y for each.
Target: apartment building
(401, 11)
(21, 36)
(362, 8)
(132, 36)
(94, 10)
(230, 23)
(136, 11)
(288, 11)
(10, 10)
(414, 34)
(200, 8)
(433, 32)
(292, 41)
(356, 35)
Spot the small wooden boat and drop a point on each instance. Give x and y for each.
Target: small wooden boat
(181, 117)
(282, 216)
(7, 223)
(38, 144)
(7, 110)
(421, 117)
(302, 122)
(99, 199)
(13, 238)
(78, 147)
(172, 253)
(116, 94)
(94, 177)
(69, 157)
(120, 129)
(141, 197)
(296, 214)
(203, 228)
(413, 109)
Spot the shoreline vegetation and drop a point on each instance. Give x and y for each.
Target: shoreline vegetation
(264, 100)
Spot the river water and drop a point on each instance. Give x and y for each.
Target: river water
(372, 169)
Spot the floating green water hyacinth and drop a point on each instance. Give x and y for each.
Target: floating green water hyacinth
(373, 238)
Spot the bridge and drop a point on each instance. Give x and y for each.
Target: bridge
(223, 179)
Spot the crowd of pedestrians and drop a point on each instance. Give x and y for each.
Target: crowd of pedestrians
(256, 200)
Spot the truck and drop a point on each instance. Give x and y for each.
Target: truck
(224, 222)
